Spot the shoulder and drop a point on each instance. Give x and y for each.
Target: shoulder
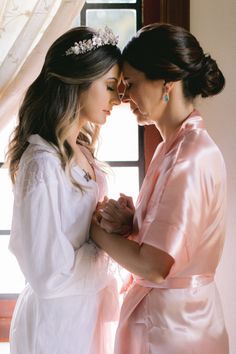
(197, 147)
(197, 156)
(38, 159)
(37, 167)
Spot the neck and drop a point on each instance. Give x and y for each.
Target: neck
(175, 112)
(172, 120)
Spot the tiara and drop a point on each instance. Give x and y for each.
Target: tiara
(101, 38)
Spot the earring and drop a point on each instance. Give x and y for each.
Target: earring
(166, 97)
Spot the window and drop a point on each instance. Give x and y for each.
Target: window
(12, 281)
(121, 142)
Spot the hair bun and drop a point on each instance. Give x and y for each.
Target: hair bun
(209, 80)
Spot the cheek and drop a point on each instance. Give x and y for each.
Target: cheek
(136, 97)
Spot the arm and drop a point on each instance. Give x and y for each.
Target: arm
(50, 263)
(142, 260)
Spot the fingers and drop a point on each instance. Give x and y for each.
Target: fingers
(107, 226)
(123, 201)
(96, 218)
(126, 199)
(112, 210)
(113, 204)
(108, 215)
(101, 205)
(116, 212)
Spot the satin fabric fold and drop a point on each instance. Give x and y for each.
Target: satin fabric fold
(181, 210)
(178, 282)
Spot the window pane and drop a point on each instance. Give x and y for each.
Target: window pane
(5, 348)
(4, 138)
(11, 279)
(119, 136)
(122, 22)
(123, 180)
(6, 201)
(111, 1)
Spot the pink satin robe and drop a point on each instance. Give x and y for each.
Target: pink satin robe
(181, 210)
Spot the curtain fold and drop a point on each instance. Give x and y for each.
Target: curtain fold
(24, 57)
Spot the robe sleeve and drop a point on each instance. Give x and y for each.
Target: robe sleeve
(51, 265)
(175, 215)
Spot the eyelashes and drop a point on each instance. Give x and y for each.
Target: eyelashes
(109, 88)
(128, 85)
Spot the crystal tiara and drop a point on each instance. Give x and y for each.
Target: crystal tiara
(99, 39)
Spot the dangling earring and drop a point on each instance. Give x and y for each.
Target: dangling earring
(166, 97)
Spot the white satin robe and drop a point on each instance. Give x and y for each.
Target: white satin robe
(181, 210)
(70, 303)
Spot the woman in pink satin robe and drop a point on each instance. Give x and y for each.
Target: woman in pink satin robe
(175, 244)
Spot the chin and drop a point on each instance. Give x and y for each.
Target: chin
(142, 120)
(99, 121)
(103, 121)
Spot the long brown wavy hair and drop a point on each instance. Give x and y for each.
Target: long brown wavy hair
(51, 104)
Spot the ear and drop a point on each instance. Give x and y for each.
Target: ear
(168, 86)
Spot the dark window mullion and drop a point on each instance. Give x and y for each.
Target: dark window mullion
(104, 6)
(124, 163)
(8, 297)
(5, 232)
(138, 7)
(141, 155)
(114, 6)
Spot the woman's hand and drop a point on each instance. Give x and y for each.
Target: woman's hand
(100, 206)
(143, 260)
(117, 216)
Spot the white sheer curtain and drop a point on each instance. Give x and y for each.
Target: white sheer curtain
(27, 29)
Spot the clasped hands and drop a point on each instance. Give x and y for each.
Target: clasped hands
(115, 216)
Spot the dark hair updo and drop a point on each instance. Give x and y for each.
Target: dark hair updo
(171, 53)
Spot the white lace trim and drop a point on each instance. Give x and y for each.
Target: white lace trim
(33, 170)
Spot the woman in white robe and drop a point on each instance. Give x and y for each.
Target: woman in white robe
(70, 302)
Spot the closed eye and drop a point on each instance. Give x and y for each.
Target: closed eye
(128, 85)
(110, 88)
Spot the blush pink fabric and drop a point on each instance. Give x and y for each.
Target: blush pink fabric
(181, 210)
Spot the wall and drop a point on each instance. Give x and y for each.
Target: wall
(213, 23)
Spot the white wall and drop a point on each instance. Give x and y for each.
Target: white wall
(213, 22)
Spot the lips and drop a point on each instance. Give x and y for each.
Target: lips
(107, 112)
(137, 111)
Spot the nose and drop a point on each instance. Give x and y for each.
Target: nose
(116, 100)
(121, 95)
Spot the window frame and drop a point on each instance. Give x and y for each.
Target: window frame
(5, 296)
(137, 6)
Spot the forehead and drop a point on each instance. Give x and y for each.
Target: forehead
(113, 73)
(130, 73)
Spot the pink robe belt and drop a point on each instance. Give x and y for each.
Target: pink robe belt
(193, 281)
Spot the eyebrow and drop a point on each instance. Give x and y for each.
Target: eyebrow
(112, 78)
(126, 78)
